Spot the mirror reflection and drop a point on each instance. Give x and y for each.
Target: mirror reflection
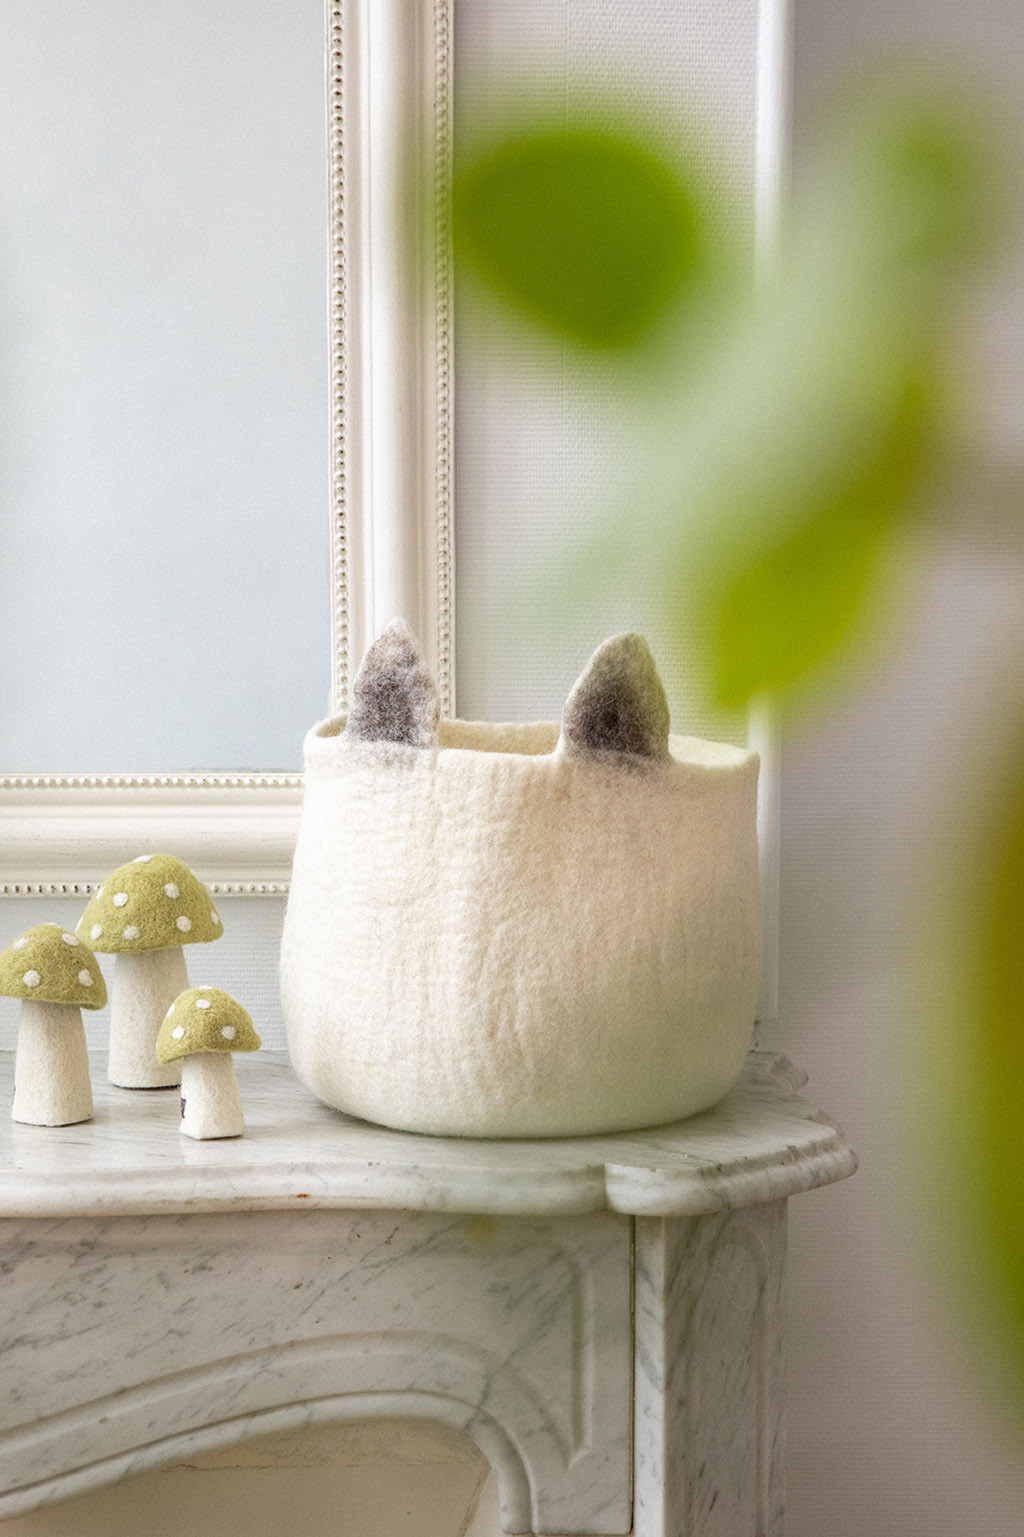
(164, 549)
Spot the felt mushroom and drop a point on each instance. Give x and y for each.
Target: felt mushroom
(201, 1029)
(145, 913)
(56, 976)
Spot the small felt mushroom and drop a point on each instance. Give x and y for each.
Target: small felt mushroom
(56, 976)
(201, 1029)
(145, 913)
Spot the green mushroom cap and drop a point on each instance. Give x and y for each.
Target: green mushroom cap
(52, 966)
(152, 903)
(205, 1019)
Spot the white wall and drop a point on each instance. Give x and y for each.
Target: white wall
(891, 1429)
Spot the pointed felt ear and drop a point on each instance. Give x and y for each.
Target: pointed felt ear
(393, 697)
(618, 704)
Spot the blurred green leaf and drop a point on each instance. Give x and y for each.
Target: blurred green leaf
(795, 605)
(794, 592)
(827, 418)
(585, 230)
(910, 179)
(994, 1077)
(797, 423)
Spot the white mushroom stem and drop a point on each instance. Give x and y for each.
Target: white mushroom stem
(210, 1102)
(51, 1067)
(142, 989)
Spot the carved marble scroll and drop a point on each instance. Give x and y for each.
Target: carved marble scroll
(709, 1393)
(205, 1330)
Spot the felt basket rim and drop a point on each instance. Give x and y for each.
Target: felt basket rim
(537, 741)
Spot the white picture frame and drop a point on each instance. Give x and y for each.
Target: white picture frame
(389, 78)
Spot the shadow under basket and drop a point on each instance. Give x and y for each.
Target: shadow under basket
(493, 936)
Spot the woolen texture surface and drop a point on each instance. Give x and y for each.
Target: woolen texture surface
(205, 1019)
(142, 989)
(51, 1066)
(52, 965)
(492, 937)
(211, 1106)
(153, 902)
(394, 698)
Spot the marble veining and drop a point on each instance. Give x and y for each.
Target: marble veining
(761, 1143)
(603, 1316)
(709, 1378)
(122, 1335)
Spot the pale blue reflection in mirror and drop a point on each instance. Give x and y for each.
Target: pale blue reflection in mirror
(164, 483)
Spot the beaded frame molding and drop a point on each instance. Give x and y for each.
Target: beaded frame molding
(389, 84)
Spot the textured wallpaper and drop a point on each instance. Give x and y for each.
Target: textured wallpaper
(537, 456)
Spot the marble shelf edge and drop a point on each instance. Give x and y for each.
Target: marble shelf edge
(762, 1143)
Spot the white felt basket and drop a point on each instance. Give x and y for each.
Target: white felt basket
(507, 931)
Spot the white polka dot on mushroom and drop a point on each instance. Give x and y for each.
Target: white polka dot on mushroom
(178, 1032)
(203, 1003)
(142, 859)
(120, 898)
(229, 1032)
(170, 890)
(31, 979)
(215, 917)
(131, 931)
(69, 939)
(184, 924)
(171, 1009)
(85, 977)
(96, 931)
(19, 944)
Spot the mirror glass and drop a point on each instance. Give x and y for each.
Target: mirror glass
(164, 476)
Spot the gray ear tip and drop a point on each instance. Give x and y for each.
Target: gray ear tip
(396, 640)
(394, 698)
(618, 703)
(628, 644)
(397, 629)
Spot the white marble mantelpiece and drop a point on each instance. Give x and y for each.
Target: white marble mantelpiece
(601, 1315)
(762, 1142)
